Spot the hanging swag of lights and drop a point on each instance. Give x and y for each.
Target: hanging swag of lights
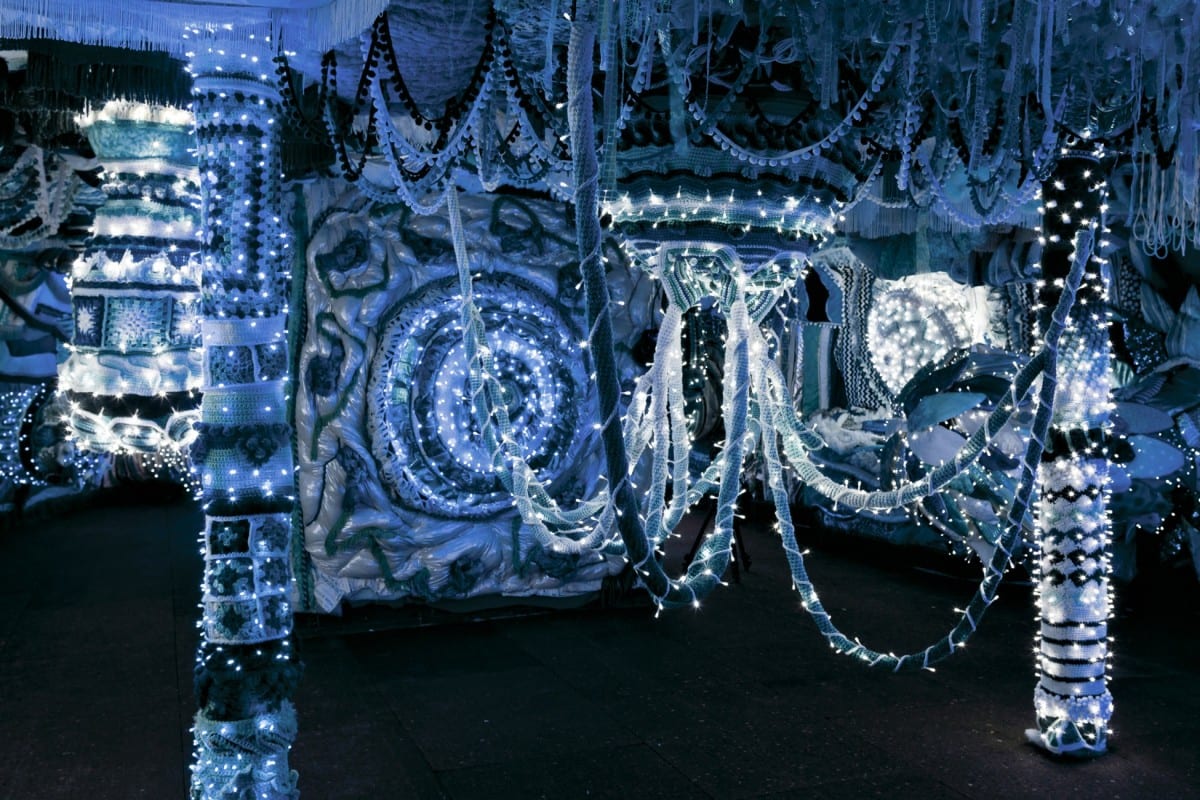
(966, 112)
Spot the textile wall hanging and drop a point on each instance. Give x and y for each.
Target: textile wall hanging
(134, 368)
(398, 497)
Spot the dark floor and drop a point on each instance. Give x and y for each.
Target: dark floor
(739, 699)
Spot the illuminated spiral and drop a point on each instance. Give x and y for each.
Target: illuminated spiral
(422, 430)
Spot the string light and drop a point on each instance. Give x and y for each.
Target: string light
(1072, 584)
(919, 319)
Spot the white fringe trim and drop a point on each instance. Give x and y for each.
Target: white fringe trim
(159, 25)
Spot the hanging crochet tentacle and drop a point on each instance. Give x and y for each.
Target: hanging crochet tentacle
(772, 403)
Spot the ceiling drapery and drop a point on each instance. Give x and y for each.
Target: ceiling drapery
(957, 108)
(952, 106)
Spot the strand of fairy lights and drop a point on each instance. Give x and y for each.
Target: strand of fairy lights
(652, 387)
(701, 572)
(246, 666)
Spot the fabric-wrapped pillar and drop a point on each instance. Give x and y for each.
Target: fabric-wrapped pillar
(246, 668)
(1072, 701)
(133, 374)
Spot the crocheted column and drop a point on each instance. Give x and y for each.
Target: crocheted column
(1071, 699)
(133, 374)
(246, 668)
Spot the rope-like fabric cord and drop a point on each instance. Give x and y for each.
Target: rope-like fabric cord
(642, 530)
(586, 173)
(704, 573)
(1002, 556)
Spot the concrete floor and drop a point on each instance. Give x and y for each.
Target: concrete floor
(739, 699)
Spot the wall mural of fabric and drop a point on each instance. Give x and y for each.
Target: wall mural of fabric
(398, 498)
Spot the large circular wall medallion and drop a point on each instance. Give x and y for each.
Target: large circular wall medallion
(422, 429)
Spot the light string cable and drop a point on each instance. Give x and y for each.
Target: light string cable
(799, 439)
(485, 394)
(531, 497)
(656, 421)
(661, 388)
(634, 438)
(774, 410)
(776, 417)
(796, 443)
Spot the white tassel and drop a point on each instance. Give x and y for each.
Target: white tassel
(162, 26)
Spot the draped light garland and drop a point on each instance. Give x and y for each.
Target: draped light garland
(771, 417)
(747, 364)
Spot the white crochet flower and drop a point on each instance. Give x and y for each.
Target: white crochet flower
(85, 321)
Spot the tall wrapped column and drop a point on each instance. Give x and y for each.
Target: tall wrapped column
(133, 374)
(246, 668)
(1073, 530)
